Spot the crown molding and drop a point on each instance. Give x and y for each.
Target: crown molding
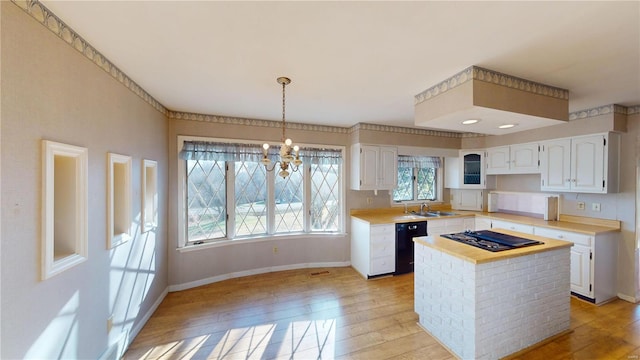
(49, 20)
(178, 115)
(604, 110)
(632, 110)
(494, 77)
(405, 130)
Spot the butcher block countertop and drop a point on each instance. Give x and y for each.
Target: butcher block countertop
(584, 225)
(479, 256)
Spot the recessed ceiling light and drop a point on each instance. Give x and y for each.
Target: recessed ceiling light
(470, 121)
(506, 126)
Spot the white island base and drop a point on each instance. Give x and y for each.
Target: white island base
(492, 308)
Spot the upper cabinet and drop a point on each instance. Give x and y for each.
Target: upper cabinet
(513, 159)
(374, 167)
(587, 164)
(467, 171)
(472, 170)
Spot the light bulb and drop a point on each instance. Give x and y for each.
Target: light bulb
(288, 142)
(296, 148)
(265, 146)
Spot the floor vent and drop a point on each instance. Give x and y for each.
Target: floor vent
(320, 273)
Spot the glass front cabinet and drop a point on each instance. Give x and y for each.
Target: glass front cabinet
(472, 170)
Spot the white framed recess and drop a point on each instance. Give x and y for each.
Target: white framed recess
(64, 207)
(118, 199)
(149, 208)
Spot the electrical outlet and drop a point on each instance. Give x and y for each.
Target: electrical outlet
(109, 323)
(580, 205)
(595, 207)
(275, 249)
(369, 200)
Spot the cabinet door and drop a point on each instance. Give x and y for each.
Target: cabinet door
(369, 163)
(524, 158)
(388, 172)
(556, 168)
(498, 160)
(472, 170)
(436, 227)
(482, 223)
(467, 200)
(581, 270)
(469, 223)
(587, 163)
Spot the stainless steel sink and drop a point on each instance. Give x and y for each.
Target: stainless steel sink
(441, 213)
(424, 214)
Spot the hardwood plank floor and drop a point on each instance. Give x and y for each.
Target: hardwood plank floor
(336, 314)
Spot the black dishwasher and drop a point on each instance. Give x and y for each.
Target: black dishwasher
(405, 232)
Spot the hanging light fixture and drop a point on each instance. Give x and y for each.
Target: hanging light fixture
(286, 158)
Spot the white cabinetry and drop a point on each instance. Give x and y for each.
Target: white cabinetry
(587, 164)
(472, 170)
(373, 248)
(374, 167)
(467, 171)
(508, 225)
(449, 225)
(593, 262)
(466, 199)
(513, 159)
(482, 223)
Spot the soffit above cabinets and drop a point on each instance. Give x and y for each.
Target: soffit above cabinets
(494, 99)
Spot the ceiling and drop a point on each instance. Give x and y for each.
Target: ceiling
(357, 62)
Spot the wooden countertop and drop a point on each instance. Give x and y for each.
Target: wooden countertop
(478, 256)
(588, 226)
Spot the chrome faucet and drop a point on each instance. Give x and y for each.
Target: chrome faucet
(422, 207)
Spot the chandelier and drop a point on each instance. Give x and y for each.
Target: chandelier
(286, 157)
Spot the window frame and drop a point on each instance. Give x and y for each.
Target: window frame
(183, 242)
(439, 188)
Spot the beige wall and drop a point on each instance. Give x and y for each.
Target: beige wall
(51, 91)
(190, 268)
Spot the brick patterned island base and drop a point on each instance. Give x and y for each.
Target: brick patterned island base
(486, 305)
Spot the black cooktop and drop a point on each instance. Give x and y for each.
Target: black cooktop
(491, 240)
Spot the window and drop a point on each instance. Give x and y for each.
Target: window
(229, 194)
(417, 179)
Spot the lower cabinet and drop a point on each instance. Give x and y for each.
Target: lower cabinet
(593, 262)
(482, 223)
(448, 226)
(508, 225)
(373, 248)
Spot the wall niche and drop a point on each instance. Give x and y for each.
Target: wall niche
(149, 216)
(118, 200)
(64, 207)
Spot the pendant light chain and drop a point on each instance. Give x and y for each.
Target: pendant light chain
(289, 153)
(283, 102)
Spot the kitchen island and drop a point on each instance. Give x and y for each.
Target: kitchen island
(487, 305)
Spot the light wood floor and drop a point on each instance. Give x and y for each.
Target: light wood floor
(334, 313)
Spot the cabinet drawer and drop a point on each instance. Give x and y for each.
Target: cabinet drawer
(383, 233)
(575, 238)
(383, 265)
(383, 249)
(498, 224)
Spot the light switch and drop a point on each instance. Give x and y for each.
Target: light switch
(595, 207)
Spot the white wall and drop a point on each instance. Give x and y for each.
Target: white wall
(51, 91)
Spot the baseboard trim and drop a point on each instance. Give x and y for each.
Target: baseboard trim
(217, 278)
(628, 298)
